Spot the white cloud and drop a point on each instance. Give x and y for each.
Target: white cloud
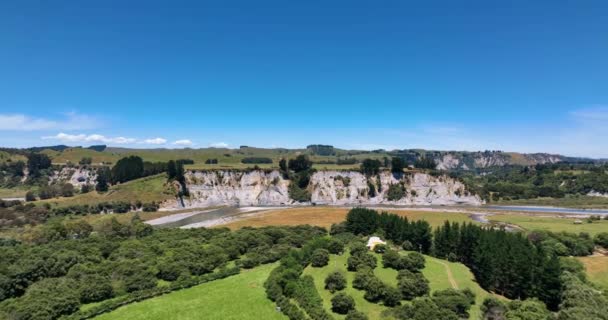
(183, 142)
(155, 141)
(218, 145)
(71, 121)
(67, 138)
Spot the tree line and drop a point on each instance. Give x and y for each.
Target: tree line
(124, 259)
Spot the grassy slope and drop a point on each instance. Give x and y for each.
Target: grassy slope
(146, 189)
(597, 269)
(555, 224)
(228, 158)
(325, 216)
(237, 297)
(435, 270)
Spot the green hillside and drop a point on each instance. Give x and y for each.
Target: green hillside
(239, 297)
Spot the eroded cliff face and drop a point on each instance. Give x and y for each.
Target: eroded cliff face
(210, 188)
(75, 176)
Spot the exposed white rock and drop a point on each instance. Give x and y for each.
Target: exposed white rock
(594, 193)
(448, 162)
(210, 188)
(421, 189)
(75, 176)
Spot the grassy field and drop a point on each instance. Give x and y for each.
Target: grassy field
(325, 216)
(227, 158)
(146, 189)
(237, 297)
(597, 269)
(441, 274)
(554, 224)
(583, 202)
(13, 192)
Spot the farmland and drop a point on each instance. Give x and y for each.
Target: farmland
(555, 223)
(597, 269)
(326, 216)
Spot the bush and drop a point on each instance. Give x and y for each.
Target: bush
(362, 278)
(256, 160)
(370, 167)
(364, 260)
(395, 192)
(392, 296)
(355, 315)
(30, 196)
(335, 281)
(67, 190)
(298, 194)
(300, 163)
(150, 207)
(335, 247)
(320, 258)
(412, 285)
(458, 301)
(375, 290)
(601, 239)
(95, 288)
(342, 303)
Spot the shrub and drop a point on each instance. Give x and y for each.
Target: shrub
(342, 303)
(300, 163)
(395, 192)
(458, 301)
(355, 315)
(392, 296)
(361, 261)
(335, 247)
(67, 190)
(412, 284)
(255, 160)
(150, 207)
(375, 290)
(320, 258)
(30, 196)
(370, 167)
(362, 277)
(298, 194)
(601, 239)
(335, 281)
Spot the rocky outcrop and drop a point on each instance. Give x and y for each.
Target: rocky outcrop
(452, 160)
(75, 176)
(210, 188)
(353, 188)
(594, 193)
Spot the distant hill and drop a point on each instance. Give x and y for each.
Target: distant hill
(324, 156)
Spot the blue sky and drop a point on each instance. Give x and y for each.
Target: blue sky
(526, 76)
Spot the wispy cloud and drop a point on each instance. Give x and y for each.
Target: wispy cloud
(183, 142)
(71, 138)
(594, 113)
(218, 145)
(69, 121)
(155, 141)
